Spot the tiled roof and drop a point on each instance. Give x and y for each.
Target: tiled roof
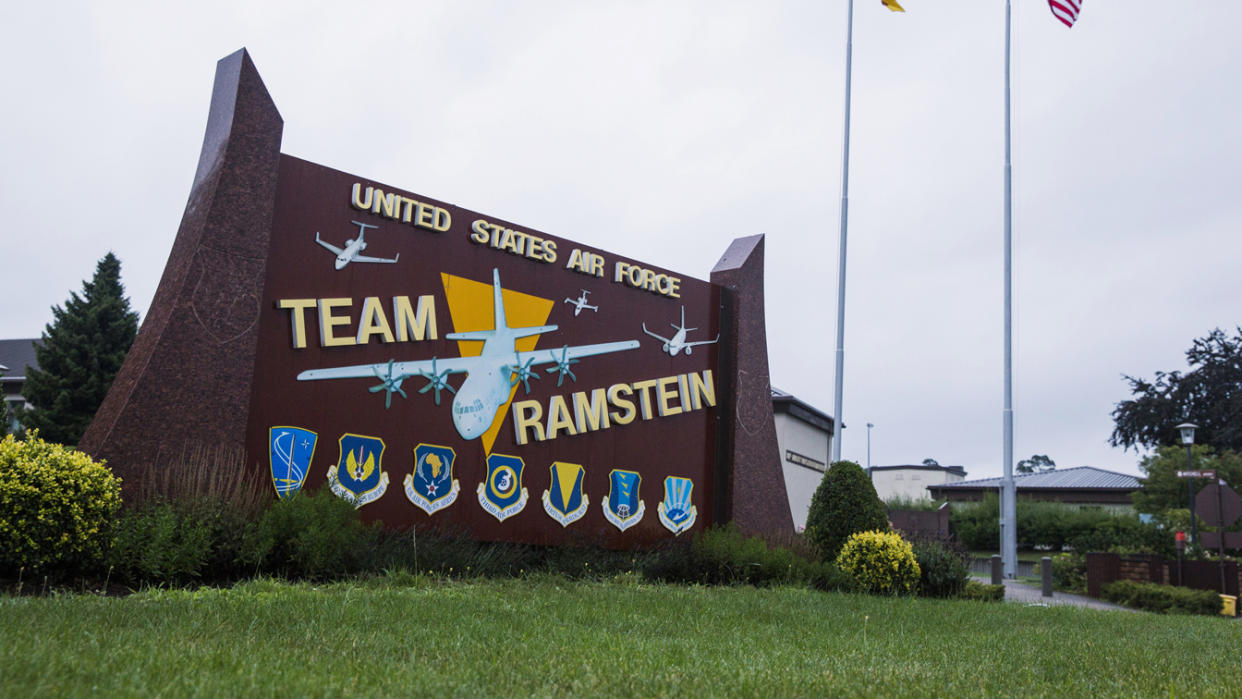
(17, 355)
(1079, 478)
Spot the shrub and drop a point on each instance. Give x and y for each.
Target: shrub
(1069, 572)
(880, 562)
(725, 556)
(1165, 599)
(173, 543)
(56, 507)
(845, 503)
(943, 570)
(982, 592)
(310, 535)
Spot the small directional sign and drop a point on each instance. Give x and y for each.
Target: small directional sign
(1196, 474)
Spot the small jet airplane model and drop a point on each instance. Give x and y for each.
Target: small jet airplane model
(491, 375)
(350, 253)
(677, 342)
(581, 303)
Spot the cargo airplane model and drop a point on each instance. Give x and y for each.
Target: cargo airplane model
(353, 248)
(490, 376)
(677, 342)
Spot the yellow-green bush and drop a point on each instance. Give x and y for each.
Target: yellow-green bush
(56, 507)
(880, 562)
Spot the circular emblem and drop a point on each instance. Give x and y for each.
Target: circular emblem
(503, 481)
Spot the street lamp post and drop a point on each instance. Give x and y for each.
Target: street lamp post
(1188, 438)
(869, 426)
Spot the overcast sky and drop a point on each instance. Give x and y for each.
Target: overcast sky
(662, 130)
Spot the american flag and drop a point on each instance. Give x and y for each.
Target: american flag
(1065, 10)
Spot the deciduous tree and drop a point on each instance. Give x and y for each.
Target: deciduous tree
(1038, 463)
(1209, 395)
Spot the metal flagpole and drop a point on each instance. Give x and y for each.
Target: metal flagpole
(838, 424)
(1008, 505)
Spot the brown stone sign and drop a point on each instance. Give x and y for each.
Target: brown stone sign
(437, 366)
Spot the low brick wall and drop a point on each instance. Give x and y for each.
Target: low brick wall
(1103, 568)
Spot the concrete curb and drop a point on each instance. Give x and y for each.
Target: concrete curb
(1023, 593)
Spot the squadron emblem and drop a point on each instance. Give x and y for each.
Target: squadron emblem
(358, 476)
(677, 514)
(290, 450)
(431, 486)
(564, 500)
(501, 493)
(623, 508)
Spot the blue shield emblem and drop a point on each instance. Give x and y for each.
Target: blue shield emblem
(501, 492)
(677, 514)
(564, 500)
(623, 507)
(358, 476)
(290, 450)
(431, 486)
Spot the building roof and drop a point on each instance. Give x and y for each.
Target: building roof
(1079, 478)
(959, 470)
(17, 355)
(783, 402)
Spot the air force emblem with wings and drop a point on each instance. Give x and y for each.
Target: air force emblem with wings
(564, 500)
(501, 492)
(358, 476)
(677, 514)
(623, 507)
(431, 486)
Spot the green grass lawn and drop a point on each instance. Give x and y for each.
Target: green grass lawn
(548, 636)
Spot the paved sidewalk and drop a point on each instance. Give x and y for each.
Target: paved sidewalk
(1023, 593)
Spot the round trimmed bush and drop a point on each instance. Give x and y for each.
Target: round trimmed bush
(844, 503)
(56, 507)
(880, 562)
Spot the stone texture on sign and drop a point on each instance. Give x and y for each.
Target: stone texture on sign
(186, 381)
(757, 500)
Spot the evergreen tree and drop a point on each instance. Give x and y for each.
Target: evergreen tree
(844, 503)
(82, 350)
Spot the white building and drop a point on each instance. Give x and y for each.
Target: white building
(909, 482)
(804, 435)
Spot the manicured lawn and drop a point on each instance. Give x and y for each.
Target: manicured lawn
(549, 636)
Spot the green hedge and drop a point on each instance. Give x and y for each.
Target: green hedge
(983, 592)
(1165, 599)
(1055, 526)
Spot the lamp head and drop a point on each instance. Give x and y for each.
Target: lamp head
(1188, 432)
